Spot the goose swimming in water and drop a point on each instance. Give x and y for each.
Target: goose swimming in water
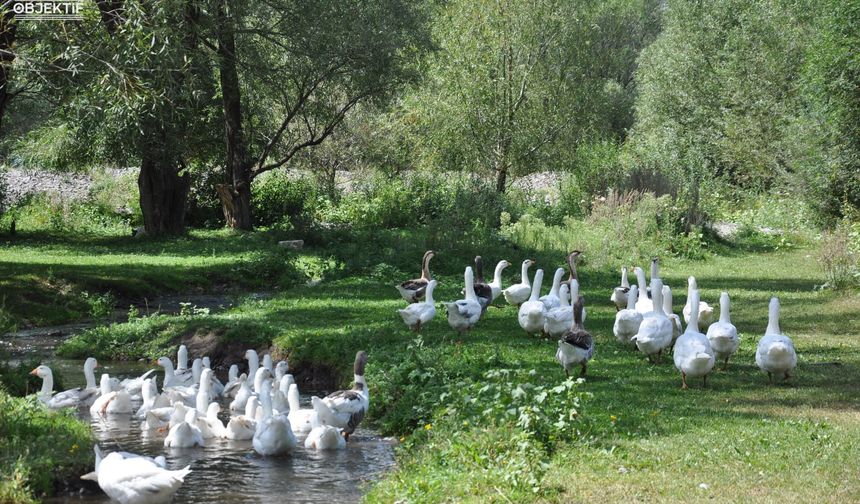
(345, 409)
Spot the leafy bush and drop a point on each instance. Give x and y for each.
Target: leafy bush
(282, 201)
(54, 214)
(840, 255)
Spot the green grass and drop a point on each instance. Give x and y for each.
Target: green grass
(40, 450)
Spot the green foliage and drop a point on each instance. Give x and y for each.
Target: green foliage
(13, 484)
(840, 255)
(283, 201)
(39, 448)
(52, 213)
(17, 380)
(204, 207)
(117, 192)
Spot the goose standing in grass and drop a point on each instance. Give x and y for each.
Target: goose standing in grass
(576, 346)
(620, 293)
(132, 479)
(496, 284)
(667, 309)
(72, 398)
(627, 321)
(706, 311)
(531, 314)
(116, 402)
(483, 291)
(552, 300)
(775, 353)
(273, 435)
(644, 305)
(185, 434)
(464, 314)
(558, 320)
(722, 334)
(418, 314)
(413, 290)
(518, 294)
(693, 354)
(655, 331)
(345, 409)
(321, 436)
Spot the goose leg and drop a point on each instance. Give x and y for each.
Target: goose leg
(566, 372)
(769, 377)
(659, 355)
(726, 364)
(418, 327)
(787, 376)
(683, 380)
(705, 381)
(582, 372)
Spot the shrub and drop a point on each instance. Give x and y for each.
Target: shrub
(116, 191)
(840, 255)
(283, 201)
(52, 213)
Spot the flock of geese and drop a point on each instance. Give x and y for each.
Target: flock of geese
(644, 319)
(263, 403)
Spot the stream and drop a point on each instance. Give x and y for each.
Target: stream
(224, 470)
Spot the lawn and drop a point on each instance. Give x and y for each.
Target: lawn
(635, 435)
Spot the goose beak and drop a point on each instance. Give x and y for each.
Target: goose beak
(35, 372)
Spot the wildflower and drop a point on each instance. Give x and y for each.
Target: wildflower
(613, 418)
(428, 427)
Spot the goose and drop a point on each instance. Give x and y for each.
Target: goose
(620, 293)
(693, 354)
(413, 290)
(268, 363)
(217, 388)
(162, 419)
(571, 266)
(171, 379)
(775, 352)
(576, 346)
(111, 402)
(282, 368)
(551, 300)
(706, 311)
(723, 334)
(518, 294)
(209, 424)
(241, 399)
(557, 321)
(655, 331)
(182, 359)
(644, 305)
(273, 435)
(243, 427)
(204, 394)
(464, 314)
(134, 385)
(531, 314)
(300, 418)
(345, 409)
(483, 291)
(321, 436)
(496, 284)
(185, 434)
(233, 381)
(132, 479)
(253, 365)
(71, 398)
(151, 398)
(667, 309)
(418, 314)
(627, 321)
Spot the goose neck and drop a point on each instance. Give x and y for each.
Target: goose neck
(632, 296)
(90, 374)
(497, 274)
(470, 285)
(425, 266)
(624, 281)
(556, 282)
(524, 274)
(47, 384)
(773, 318)
(693, 324)
(725, 317)
(536, 287)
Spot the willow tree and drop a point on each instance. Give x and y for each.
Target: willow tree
(290, 71)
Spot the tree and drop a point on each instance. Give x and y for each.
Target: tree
(291, 71)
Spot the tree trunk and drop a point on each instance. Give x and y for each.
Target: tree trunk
(501, 177)
(163, 193)
(236, 196)
(8, 28)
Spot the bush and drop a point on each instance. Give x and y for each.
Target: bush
(116, 191)
(840, 255)
(283, 201)
(204, 207)
(52, 213)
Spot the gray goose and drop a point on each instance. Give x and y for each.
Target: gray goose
(482, 288)
(413, 290)
(345, 409)
(576, 346)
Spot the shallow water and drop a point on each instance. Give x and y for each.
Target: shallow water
(228, 471)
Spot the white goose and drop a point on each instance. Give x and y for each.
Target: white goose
(620, 293)
(321, 436)
(667, 309)
(233, 382)
(706, 311)
(217, 388)
(627, 321)
(134, 385)
(345, 409)
(655, 331)
(518, 294)
(300, 418)
(243, 427)
(209, 424)
(722, 334)
(775, 352)
(576, 346)
(464, 314)
(644, 305)
(171, 379)
(496, 284)
(253, 365)
(419, 314)
(693, 354)
(132, 479)
(116, 402)
(273, 435)
(71, 398)
(151, 398)
(558, 320)
(531, 314)
(551, 300)
(185, 434)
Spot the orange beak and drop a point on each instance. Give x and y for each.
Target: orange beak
(35, 372)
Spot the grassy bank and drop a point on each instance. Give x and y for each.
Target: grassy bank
(40, 450)
(491, 417)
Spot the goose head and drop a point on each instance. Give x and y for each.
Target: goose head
(42, 371)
